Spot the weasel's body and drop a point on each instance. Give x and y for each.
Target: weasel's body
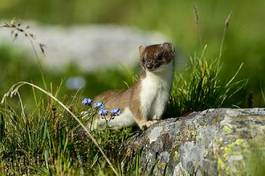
(145, 101)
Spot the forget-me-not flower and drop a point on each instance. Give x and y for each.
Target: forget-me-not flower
(87, 101)
(103, 112)
(99, 105)
(101, 109)
(115, 112)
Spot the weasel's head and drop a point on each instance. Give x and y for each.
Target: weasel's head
(155, 57)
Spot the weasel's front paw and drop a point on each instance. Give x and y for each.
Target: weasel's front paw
(147, 124)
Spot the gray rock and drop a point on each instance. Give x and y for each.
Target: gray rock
(89, 47)
(211, 142)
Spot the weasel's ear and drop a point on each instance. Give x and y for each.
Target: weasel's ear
(141, 50)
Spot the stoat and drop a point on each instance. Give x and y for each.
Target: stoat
(145, 101)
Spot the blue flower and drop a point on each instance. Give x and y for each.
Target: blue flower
(115, 112)
(99, 105)
(103, 112)
(87, 101)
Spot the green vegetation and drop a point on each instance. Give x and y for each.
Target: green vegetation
(16, 67)
(47, 140)
(39, 136)
(245, 41)
(256, 159)
(200, 87)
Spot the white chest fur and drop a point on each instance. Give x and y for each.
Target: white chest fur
(155, 90)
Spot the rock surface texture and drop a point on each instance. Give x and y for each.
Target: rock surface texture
(212, 142)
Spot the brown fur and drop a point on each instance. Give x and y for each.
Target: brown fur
(122, 99)
(154, 55)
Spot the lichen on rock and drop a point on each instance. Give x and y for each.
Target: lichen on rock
(211, 142)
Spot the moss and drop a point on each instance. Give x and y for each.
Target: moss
(227, 129)
(161, 165)
(220, 165)
(236, 149)
(188, 133)
(255, 160)
(176, 155)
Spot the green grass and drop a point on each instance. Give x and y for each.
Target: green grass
(48, 140)
(39, 136)
(42, 135)
(19, 68)
(200, 87)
